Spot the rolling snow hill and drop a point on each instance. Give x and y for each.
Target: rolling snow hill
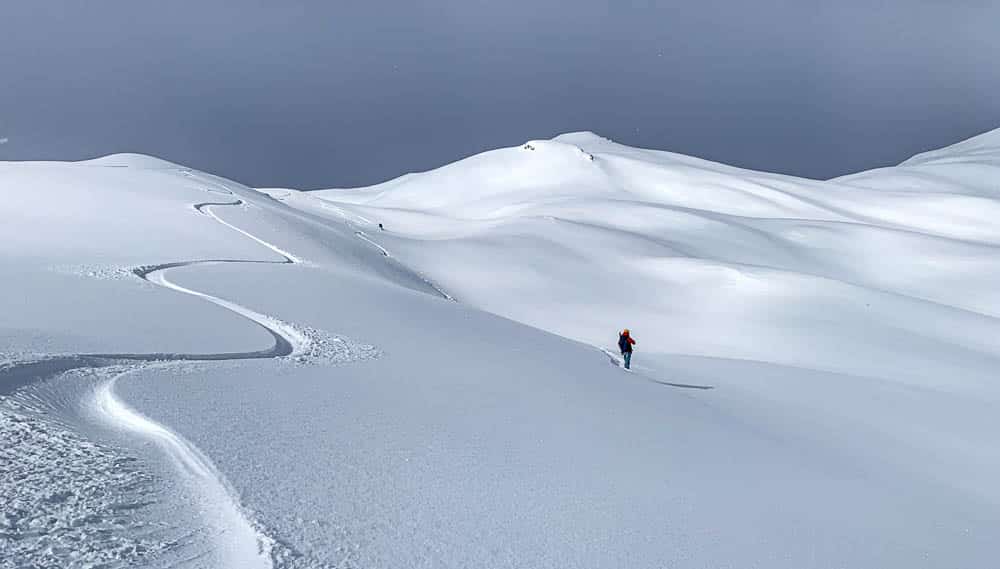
(581, 236)
(196, 373)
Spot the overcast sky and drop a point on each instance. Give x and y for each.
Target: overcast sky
(333, 94)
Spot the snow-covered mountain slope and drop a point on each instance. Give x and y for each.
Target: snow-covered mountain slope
(603, 236)
(196, 373)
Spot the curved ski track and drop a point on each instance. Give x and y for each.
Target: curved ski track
(244, 544)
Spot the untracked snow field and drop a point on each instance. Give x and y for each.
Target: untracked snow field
(194, 373)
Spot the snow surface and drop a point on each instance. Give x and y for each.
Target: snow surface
(195, 373)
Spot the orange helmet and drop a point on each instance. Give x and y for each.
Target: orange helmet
(625, 331)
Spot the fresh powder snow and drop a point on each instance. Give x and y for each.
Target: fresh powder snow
(424, 373)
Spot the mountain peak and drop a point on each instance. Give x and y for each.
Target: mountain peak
(133, 160)
(580, 137)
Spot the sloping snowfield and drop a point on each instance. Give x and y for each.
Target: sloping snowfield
(194, 373)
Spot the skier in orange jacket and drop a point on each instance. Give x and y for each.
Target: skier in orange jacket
(625, 343)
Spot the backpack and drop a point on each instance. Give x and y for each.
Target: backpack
(623, 343)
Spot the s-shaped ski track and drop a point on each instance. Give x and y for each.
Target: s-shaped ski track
(240, 542)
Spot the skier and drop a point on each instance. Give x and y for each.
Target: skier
(380, 227)
(625, 343)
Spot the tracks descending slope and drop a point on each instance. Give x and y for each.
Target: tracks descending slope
(239, 541)
(357, 222)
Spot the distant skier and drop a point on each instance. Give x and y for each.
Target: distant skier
(380, 228)
(625, 343)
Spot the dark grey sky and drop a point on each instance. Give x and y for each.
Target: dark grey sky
(325, 94)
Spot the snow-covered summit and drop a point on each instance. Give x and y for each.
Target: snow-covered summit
(571, 167)
(530, 171)
(584, 166)
(132, 160)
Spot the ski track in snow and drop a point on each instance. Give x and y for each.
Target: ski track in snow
(31, 514)
(618, 361)
(360, 234)
(385, 253)
(614, 359)
(352, 220)
(241, 542)
(68, 501)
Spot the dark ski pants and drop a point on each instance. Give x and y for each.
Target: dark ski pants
(628, 359)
